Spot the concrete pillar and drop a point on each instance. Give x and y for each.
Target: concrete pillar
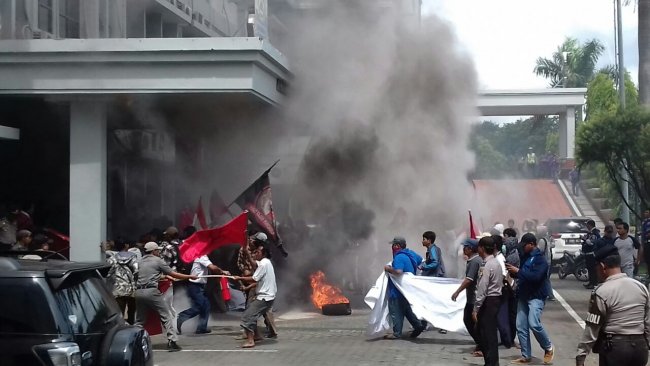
(87, 179)
(570, 132)
(563, 135)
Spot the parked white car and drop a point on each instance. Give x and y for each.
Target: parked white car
(566, 235)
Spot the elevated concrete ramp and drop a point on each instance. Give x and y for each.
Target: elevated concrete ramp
(518, 199)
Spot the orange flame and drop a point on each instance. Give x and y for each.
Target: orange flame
(323, 293)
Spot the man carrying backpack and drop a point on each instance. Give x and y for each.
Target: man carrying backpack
(124, 268)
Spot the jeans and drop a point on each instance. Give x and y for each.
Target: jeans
(200, 306)
(398, 308)
(529, 317)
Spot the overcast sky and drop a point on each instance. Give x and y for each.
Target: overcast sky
(505, 37)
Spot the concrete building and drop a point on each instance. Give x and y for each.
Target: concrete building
(105, 106)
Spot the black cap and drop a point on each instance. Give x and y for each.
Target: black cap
(398, 240)
(528, 238)
(606, 251)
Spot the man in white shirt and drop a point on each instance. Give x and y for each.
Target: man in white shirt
(196, 291)
(264, 278)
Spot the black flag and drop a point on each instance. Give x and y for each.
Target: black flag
(257, 200)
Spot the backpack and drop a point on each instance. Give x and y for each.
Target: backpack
(121, 277)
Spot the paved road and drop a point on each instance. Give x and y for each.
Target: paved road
(308, 338)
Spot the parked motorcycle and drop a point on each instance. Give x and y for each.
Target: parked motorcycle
(573, 264)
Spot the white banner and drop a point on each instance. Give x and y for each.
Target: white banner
(430, 299)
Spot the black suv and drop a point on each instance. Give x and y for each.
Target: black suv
(55, 312)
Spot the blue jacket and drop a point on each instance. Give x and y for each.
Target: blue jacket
(531, 278)
(405, 260)
(433, 265)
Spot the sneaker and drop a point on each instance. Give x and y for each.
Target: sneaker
(520, 361)
(416, 332)
(548, 356)
(442, 331)
(173, 347)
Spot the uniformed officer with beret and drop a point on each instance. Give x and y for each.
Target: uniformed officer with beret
(618, 323)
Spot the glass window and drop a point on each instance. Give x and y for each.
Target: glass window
(86, 304)
(69, 18)
(45, 15)
(24, 307)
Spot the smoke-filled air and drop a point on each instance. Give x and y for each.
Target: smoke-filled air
(389, 107)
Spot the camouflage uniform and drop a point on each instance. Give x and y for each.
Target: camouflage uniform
(170, 255)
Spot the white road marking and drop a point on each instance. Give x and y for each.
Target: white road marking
(575, 208)
(569, 309)
(223, 350)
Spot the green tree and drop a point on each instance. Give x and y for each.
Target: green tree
(612, 138)
(572, 65)
(490, 163)
(602, 96)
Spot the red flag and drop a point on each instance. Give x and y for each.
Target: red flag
(257, 200)
(472, 229)
(199, 216)
(204, 241)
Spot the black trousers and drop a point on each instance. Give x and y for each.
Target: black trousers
(127, 303)
(487, 324)
(512, 311)
(469, 323)
(632, 351)
(590, 263)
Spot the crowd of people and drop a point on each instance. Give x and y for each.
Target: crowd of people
(507, 283)
(143, 277)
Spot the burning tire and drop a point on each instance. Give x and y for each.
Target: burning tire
(337, 309)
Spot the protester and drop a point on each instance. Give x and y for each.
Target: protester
(124, 266)
(170, 255)
(626, 246)
(470, 249)
(433, 264)
(23, 240)
(247, 265)
(147, 295)
(513, 258)
(404, 260)
(545, 247)
(488, 301)
(8, 229)
(618, 319)
(41, 242)
(266, 289)
(532, 291)
(503, 323)
(196, 291)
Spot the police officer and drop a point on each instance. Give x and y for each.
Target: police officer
(588, 242)
(618, 323)
(147, 295)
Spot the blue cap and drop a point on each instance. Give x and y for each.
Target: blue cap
(471, 243)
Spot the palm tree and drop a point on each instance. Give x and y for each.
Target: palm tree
(572, 65)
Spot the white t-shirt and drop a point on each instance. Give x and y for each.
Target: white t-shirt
(265, 277)
(200, 268)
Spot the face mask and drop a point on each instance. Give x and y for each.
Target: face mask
(395, 250)
(504, 250)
